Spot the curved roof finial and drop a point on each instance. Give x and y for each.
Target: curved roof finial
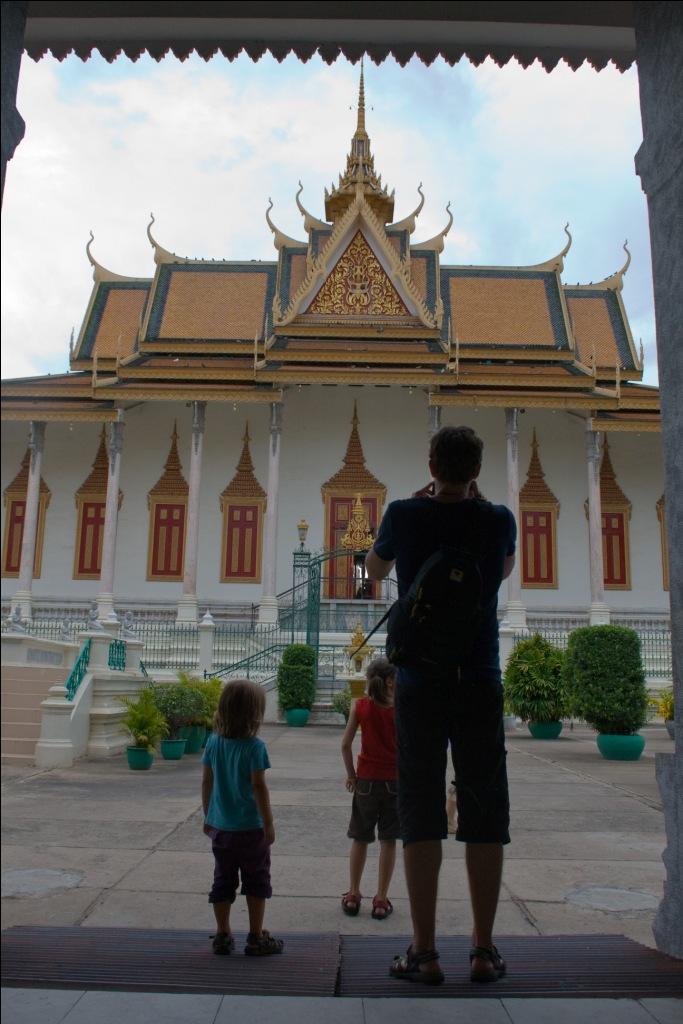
(310, 222)
(615, 282)
(569, 241)
(437, 242)
(408, 223)
(279, 238)
(99, 272)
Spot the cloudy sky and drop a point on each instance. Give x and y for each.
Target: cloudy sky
(203, 145)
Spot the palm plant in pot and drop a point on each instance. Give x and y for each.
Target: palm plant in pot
(664, 703)
(179, 705)
(296, 683)
(146, 726)
(606, 687)
(534, 686)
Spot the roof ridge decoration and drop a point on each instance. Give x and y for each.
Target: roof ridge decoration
(244, 483)
(95, 484)
(101, 273)
(360, 172)
(171, 482)
(611, 494)
(613, 283)
(20, 483)
(555, 262)
(162, 255)
(437, 242)
(311, 223)
(536, 491)
(318, 266)
(354, 474)
(280, 239)
(408, 223)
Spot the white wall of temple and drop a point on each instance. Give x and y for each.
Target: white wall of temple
(317, 422)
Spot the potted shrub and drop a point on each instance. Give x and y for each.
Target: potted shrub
(146, 725)
(606, 687)
(179, 705)
(194, 731)
(664, 702)
(534, 686)
(341, 702)
(211, 690)
(296, 683)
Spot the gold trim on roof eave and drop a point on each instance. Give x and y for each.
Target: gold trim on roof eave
(191, 347)
(363, 330)
(195, 394)
(630, 426)
(346, 375)
(313, 356)
(173, 372)
(32, 391)
(503, 400)
(72, 416)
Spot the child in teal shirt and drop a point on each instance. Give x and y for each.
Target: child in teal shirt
(237, 815)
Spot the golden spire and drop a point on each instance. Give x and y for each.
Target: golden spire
(535, 491)
(172, 481)
(611, 493)
(354, 474)
(244, 483)
(360, 174)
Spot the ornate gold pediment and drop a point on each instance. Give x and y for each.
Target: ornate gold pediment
(358, 286)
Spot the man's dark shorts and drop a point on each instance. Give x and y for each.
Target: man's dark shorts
(236, 854)
(468, 711)
(374, 804)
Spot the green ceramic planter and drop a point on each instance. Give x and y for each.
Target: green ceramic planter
(193, 736)
(207, 733)
(545, 730)
(139, 758)
(297, 716)
(172, 750)
(621, 748)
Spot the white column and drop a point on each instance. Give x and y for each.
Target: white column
(434, 412)
(268, 605)
(599, 612)
(187, 605)
(22, 597)
(515, 611)
(105, 598)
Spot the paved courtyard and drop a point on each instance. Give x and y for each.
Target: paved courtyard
(99, 845)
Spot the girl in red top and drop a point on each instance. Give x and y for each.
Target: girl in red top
(373, 784)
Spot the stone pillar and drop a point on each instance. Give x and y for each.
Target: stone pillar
(105, 598)
(187, 605)
(207, 628)
(268, 605)
(598, 612)
(13, 127)
(434, 412)
(22, 597)
(659, 163)
(515, 611)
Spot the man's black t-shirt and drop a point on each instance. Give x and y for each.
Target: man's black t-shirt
(414, 528)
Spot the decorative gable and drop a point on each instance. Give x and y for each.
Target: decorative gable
(358, 286)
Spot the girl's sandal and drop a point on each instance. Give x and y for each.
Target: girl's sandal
(350, 902)
(264, 944)
(381, 909)
(408, 966)
(223, 944)
(491, 965)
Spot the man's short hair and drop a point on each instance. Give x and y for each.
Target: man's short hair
(455, 454)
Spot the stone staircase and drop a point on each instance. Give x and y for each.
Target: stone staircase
(23, 689)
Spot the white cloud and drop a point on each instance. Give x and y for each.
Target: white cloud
(204, 146)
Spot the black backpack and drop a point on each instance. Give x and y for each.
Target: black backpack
(433, 627)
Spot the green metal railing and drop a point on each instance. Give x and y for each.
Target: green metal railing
(56, 629)
(78, 671)
(117, 656)
(655, 648)
(144, 670)
(167, 645)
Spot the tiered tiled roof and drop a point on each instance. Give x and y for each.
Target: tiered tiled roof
(611, 494)
(171, 483)
(244, 483)
(354, 474)
(535, 491)
(20, 483)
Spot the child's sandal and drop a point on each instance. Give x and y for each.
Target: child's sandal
(264, 944)
(223, 944)
(491, 965)
(350, 902)
(381, 909)
(408, 967)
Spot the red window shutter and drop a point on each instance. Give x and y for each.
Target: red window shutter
(614, 549)
(91, 537)
(538, 567)
(168, 540)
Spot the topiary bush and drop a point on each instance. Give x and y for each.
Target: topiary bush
(207, 709)
(299, 654)
(296, 678)
(605, 680)
(341, 703)
(179, 704)
(534, 683)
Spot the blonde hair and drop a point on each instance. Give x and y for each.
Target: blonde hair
(380, 674)
(240, 710)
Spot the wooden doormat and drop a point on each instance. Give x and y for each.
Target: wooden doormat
(326, 964)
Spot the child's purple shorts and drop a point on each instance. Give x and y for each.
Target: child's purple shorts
(240, 854)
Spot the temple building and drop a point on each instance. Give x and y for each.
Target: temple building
(214, 405)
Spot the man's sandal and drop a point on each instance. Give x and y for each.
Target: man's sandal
(408, 966)
(223, 944)
(263, 945)
(350, 902)
(491, 965)
(381, 909)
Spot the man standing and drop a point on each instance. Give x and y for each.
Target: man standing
(461, 703)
